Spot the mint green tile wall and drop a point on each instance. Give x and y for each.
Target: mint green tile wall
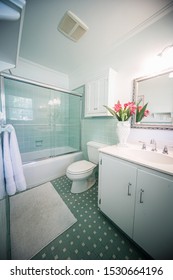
(101, 129)
(47, 126)
(74, 122)
(33, 132)
(43, 118)
(60, 120)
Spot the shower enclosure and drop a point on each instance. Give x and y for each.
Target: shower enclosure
(46, 119)
(47, 124)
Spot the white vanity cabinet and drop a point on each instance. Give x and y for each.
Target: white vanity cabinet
(117, 183)
(140, 202)
(98, 92)
(153, 222)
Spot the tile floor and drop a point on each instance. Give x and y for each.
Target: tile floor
(93, 236)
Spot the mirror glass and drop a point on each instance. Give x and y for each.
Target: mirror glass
(157, 91)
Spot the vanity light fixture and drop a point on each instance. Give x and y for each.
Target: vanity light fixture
(167, 49)
(171, 75)
(165, 57)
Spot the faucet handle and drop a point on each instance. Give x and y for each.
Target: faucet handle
(152, 141)
(143, 145)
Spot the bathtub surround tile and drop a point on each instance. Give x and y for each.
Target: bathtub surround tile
(98, 129)
(93, 236)
(40, 124)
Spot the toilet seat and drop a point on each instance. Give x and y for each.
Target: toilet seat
(80, 167)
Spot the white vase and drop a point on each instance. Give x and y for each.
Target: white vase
(123, 131)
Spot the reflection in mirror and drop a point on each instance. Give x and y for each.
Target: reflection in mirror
(157, 91)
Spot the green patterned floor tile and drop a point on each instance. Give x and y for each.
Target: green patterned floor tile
(93, 236)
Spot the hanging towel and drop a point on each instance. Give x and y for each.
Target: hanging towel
(16, 161)
(2, 183)
(8, 168)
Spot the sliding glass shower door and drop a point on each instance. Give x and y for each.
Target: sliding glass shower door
(46, 120)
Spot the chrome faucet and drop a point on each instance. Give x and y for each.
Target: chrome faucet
(143, 146)
(154, 149)
(165, 150)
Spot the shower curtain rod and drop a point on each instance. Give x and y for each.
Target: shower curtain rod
(32, 82)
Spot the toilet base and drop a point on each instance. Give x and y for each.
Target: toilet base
(80, 186)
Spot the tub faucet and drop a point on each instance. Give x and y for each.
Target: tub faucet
(154, 149)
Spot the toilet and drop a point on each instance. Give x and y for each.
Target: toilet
(82, 173)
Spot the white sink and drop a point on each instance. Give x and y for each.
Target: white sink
(150, 156)
(155, 160)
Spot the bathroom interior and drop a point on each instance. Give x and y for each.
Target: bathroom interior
(53, 88)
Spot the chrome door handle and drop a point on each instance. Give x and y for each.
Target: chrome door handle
(141, 194)
(128, 192)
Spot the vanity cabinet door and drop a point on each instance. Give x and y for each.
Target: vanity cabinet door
(117, 181)
(153, 224)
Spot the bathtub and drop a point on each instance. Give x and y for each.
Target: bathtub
(46, 153)
(44, 170)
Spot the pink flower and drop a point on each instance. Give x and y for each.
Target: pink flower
(117, 107)
(127, 104)
(131, 106)
(139, 108)
(146, 113)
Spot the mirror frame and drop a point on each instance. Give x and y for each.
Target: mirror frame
(135, 93)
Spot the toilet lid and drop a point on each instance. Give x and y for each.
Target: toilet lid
(81, 166)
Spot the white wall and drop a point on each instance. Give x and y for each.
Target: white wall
(131, 60)
(39, 73)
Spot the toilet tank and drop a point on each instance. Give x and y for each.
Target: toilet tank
(93, 153)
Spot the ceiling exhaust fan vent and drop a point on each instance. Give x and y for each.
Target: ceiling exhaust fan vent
(72, 27)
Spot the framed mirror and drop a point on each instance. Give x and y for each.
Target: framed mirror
(157, 91)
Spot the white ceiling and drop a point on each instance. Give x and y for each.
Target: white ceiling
(110, 22)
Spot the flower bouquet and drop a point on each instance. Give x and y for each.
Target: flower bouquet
(122, 113)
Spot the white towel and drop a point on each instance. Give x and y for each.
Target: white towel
(8, 169)
(2, 183)
(16, 161)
